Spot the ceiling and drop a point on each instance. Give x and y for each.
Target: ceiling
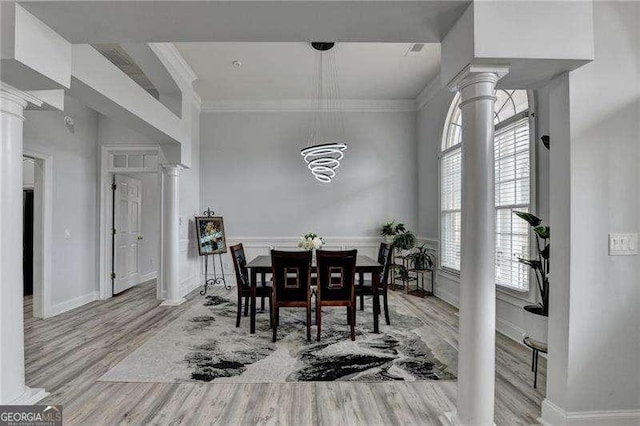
(278, 71)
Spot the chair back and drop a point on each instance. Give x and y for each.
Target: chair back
(291, 272)
(336, 275)
(240, 265)
(385, 257)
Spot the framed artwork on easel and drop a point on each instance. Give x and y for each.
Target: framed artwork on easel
(211, 236)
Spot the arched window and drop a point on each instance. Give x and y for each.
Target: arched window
(512, 180)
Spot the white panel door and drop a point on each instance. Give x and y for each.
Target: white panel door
(126, 238)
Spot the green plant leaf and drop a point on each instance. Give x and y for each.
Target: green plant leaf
(388, 228)
(542, 231)
(405, 241)
(532, 263)
(530, 218)
(400, 228)
(545, 251)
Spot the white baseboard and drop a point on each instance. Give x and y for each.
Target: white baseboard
(188, 285)
(509, 329)
(76, 302)
(553, 415)
(447, 296)
(148, 277)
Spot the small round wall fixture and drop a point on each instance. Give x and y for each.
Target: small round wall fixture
(324, 159)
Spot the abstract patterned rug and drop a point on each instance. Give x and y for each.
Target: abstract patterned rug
(203, 345)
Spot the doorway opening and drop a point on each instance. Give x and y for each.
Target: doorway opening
(37, 216)
(131, 208)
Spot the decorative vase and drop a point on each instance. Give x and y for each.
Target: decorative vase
(536, 324)
(389, 239)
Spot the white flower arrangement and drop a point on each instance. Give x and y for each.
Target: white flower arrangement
(311, 241)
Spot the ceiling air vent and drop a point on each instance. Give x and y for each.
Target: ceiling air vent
(414, 49)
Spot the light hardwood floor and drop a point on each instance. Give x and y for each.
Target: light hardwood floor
(68, 353)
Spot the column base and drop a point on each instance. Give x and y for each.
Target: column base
(29, 397)
(450, 418)
(173, 302)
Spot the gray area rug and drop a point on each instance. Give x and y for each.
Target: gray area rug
(203, 345)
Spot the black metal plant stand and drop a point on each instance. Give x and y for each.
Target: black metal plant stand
(216, 279)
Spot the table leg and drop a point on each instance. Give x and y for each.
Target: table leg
(254, 279)
(535, 370)
(263, 277)
(375, 282)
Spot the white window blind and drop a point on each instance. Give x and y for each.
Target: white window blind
(512, 171)
(450, 198)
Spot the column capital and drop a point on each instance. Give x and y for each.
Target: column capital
(478, 73)
(14, 101)
(172, 169)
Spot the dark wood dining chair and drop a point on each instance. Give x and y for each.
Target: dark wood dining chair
(365, 287)
(244, 285)
(336, 284)
(291, 274)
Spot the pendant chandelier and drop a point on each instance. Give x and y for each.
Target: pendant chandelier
(326, 134)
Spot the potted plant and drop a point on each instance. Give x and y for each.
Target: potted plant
(405, 240)
(390, 229)
(537, 316)
(421, 259)
(401, 274)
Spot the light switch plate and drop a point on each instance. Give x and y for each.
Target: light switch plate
(623, 244)
(67, 233)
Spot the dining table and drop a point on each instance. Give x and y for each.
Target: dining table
(364, 264)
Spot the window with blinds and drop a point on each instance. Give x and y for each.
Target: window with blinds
(451, 204)
(512, 185)
(512, 164)
(451, 190)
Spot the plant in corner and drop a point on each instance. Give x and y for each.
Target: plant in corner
(390, 229)
(421, 259)
(540, 267)
(405, 240)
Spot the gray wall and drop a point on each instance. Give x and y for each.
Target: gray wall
(252, 173)
(75, 195)
(431, 120)
(596, 295)
(150, 209)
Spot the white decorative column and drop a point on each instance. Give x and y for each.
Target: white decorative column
(171, 240)
(477, 322)
(12, 381)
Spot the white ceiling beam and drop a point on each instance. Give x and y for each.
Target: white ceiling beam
(307, 105)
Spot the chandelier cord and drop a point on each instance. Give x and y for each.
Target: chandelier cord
(323, 155)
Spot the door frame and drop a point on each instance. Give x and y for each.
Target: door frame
(107, 171)
(42, 232)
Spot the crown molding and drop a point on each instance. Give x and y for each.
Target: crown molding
(306, 105)
(429, 91)
(173, 60)
(196, 100)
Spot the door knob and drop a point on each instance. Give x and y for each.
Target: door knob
(140, 237)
